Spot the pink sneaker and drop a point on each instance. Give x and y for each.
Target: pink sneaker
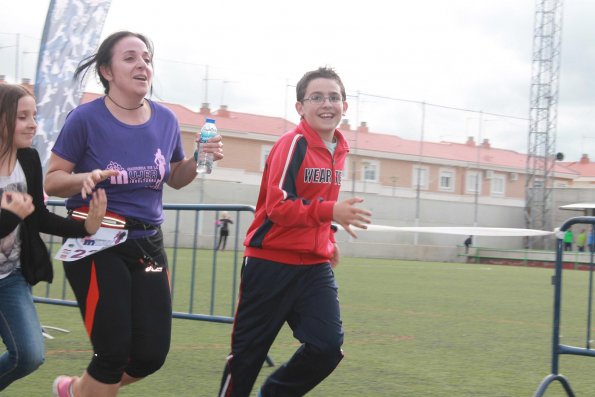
(62, 386)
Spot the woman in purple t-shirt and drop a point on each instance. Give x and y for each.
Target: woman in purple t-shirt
(129, 146)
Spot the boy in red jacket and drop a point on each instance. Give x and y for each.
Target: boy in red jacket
(287, 275)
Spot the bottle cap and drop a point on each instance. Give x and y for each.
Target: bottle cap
(210, 121)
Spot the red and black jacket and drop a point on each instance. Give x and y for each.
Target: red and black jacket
(300, 185)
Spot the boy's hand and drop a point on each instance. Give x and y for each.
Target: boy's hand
(347, 215)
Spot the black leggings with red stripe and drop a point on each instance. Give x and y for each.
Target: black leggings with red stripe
(125, 301)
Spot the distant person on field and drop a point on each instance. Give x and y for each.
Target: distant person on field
(223, 224)
(568, 240)
(590, 239)
(287, 274)
(581, 240)
(468, 243)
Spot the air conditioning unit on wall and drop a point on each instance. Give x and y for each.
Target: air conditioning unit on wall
(514, 176)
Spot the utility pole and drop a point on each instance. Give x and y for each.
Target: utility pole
(17, 54)
(419, 170)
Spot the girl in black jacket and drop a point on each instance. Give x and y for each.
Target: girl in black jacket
(24, 258)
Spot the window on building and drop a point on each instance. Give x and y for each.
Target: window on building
(498, 185)
(265, 150)
(370, 171)
(472, 182)
(538, 183)
(420, 176)
(447, 180)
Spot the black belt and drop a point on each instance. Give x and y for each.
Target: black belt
(135, 224)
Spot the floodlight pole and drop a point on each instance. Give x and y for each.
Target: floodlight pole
(543, 117)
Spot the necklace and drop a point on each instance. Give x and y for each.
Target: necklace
(125, 108)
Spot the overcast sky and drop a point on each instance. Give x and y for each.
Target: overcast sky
(467, 54)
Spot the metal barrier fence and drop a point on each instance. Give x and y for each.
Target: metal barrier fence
(184, 258)
(557, 347)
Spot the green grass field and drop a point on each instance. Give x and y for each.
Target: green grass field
(411, 329)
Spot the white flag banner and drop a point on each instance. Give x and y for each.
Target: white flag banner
(71, 33)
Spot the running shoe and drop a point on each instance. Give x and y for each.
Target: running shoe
(62, 386)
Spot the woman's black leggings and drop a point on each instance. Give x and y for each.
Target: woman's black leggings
(124, 297)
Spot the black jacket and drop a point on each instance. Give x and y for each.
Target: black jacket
(36, 264)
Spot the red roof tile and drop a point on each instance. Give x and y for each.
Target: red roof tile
(585, 170)
(443, 150)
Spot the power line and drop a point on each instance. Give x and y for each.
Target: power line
(445, 106)
(434, 105)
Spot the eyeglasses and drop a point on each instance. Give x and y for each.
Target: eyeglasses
(319, 99)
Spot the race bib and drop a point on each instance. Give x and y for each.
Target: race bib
(76, 248)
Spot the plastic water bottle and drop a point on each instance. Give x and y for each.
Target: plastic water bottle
(204, 161)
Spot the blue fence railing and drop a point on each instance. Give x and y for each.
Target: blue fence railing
(558, 348)
(193, 259)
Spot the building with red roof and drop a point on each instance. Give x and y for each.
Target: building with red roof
(404, 182)
(585, 169)
(378, 163)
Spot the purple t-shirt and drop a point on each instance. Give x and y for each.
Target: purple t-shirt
(92, 138)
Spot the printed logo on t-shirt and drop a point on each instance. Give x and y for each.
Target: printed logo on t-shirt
(322, 175)
(144, 174)
(10, 245)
